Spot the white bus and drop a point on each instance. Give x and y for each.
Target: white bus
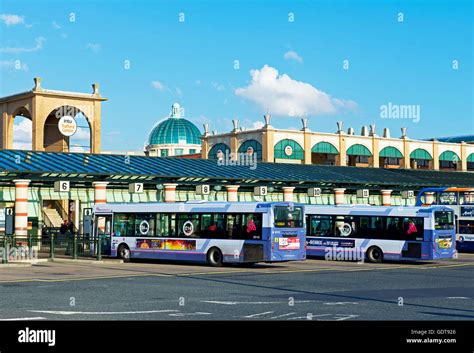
(378, 233)
(213, 232)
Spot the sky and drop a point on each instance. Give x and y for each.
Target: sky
(389, 63)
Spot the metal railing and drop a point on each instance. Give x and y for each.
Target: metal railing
(53, 245)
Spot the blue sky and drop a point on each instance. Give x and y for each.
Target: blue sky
(289, 68)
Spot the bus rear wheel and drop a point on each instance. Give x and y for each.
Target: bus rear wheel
(374, 255)
(123, 253)
(214, 257)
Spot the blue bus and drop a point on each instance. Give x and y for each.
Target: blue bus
(377, 233)
(461, 200)
(212, 232)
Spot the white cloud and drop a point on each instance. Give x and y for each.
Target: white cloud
(283, 96)
(178, 91)
(56, 25)
(11, 20)
(22, 135)
(15, 50)
(257, 125)
(82, 133)
(158, 85)
(218, 86)
(94, 47)
(13, 65)
(292, 55)
(77, 149)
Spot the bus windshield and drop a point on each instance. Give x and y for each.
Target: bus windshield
(444, 220)
(288, 217)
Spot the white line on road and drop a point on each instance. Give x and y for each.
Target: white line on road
(340, 303)
(280, 316)
(260, 314)
(190, 314)
(101, 312)
(24, 319)
(309, 316)
(457, 297)
(253, 303)
(344, 317)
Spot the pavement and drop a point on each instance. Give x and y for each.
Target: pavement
(309, 290)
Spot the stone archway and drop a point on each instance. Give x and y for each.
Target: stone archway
(41, 104)
(53, 139)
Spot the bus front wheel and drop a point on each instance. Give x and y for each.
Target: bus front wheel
(214, 257)
(374, 255)
(123, 253)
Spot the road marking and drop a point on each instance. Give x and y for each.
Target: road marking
(100, 312)
(280, 316)
(308, 316)
(457, 297)
(256, 272)
(260, 314)
(346, 317)
(190, 314)
(340, 303)
(24, 319)
(253, 303)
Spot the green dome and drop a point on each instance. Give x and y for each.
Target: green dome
(175, 130)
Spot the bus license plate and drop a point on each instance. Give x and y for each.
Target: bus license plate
(288, 244)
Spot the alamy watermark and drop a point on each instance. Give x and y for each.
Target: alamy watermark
(17, 253)
(234, 159)
(336, 253)
(401, 111)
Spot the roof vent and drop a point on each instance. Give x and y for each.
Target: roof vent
(364, 131)
(386, 132)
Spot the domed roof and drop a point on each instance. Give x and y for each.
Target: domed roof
(175, 130)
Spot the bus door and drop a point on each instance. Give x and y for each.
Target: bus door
(103, 228)
(444, 236)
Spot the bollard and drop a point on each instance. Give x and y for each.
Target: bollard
(74, 246)
(99, 248)
(51, 247)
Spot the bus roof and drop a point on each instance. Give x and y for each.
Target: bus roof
(395, 211)
(190, 206)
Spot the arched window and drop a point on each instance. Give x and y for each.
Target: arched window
(251, 147)
(470, 162)
(324, 147)
(390, 157)
(288, 149)
(420, 159)
(359, 155)
(448, 160)
(218, 151)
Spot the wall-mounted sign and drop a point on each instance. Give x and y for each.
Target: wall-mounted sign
(288, 150)
(62, 186)
(67, 126)
(203, 189)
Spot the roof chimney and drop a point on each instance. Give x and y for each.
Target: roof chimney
(304, 122)
(235, 122)
(267, 118)
(386, 132)
(364, 131)
(340, 126)
(95, 88)
(350, 131)
(372, 129)
(206, 129)
(404, 133)
(37, 86)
